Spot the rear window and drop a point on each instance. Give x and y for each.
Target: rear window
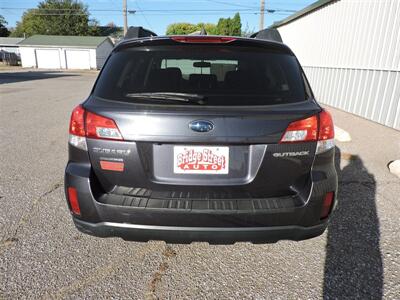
(223, 75)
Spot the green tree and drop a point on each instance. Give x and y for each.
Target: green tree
(210, 28)
(181, 28)
(3, 29)
(187, 28)
(236, 25)
(230, 26)
(56, 17)
(94, 28)
(225, 26)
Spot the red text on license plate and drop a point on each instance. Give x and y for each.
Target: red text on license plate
(201, 160)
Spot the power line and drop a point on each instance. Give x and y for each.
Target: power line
(144, 16)
(211, 14)
(151, 10)
(55, 9)
(145, 12)
(153, 14)
(231, 4)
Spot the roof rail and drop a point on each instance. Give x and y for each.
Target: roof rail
(270, 34)
(138, 32)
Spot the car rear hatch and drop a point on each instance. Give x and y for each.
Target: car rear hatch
(229, 145)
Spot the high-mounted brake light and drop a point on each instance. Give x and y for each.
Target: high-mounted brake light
(315, 128)
(203, 39)
(99, 127)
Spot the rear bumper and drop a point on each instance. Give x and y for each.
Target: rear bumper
(212, 235)
(175, 222)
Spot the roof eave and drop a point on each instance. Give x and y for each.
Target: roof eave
(33, 40)
(60, 46)
(303, 12)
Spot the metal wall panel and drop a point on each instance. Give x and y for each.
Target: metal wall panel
(350, 50)
(373, 94)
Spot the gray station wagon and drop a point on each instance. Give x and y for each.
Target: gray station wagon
(201, 138)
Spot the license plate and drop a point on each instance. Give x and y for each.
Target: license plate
(201, 160)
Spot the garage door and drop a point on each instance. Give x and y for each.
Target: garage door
(78, 59)
(48, 58)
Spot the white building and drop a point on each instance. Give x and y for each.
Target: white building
(350, 51)
(65, 52)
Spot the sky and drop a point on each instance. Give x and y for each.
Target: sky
(156, 15)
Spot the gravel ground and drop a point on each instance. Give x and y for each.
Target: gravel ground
(42, 255)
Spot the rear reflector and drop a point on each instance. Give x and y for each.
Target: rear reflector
(99, 127)
(327, 205)
(202, 39)
(73, 200)
(112, 166)
(301, 131)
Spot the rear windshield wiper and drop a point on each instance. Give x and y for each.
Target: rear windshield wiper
(169, 96)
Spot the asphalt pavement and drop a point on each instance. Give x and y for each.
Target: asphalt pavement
(42, 255)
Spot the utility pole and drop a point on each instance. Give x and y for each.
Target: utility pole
(262, 9)
(124, 13)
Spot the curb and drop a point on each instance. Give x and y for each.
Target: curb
(394, 167)
(342, 135)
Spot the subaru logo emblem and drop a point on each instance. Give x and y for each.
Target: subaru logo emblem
(201, 126)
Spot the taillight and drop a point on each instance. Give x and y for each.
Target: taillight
(87, 124)
(73, 200)
(203, 39)
(315, 128)
(99, 127)
(326, 128)
(326, 135)
(305, 130)
(77, 128)
(77, 122)
(327, 205)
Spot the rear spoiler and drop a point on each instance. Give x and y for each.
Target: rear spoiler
(138, 32)
(270, 34)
